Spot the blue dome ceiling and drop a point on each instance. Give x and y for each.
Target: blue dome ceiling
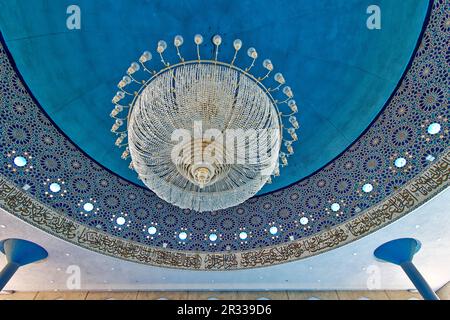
(400, 161)
(341, 72)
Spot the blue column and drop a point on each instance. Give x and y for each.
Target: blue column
(18, 253)
(6, 274)
(401, 253)
(419, 282)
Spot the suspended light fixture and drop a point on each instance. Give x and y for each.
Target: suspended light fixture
(204, 134)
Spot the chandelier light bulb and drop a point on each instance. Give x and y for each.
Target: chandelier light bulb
(113, 113)
(279, 78)
(120, 139)
(293, 105)
(119, 96)
(126, 154)
(133, 68)
(116, 111)
(288, 92)
(237, 44)
(124, 82)
(162, 46)
(146, 56)
(126, 79)
(290, 149)
(217, 40)
(283, 158)
(276, 171)
(268, 64)
(198, 39)
(294, 122)
(293, 134)
(117, 125)
(252, 53)
(178, 41)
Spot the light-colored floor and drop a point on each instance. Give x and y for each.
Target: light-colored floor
(184, 295)
(443, 293)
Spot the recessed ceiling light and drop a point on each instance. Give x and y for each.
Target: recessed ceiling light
(243, 235)
(120, 221)
(55, 187)
(183, 235)
(20, 161)
(152, 230)
(88, 207)
(434, 128)
(304, 221)
(335, 207)
(273, 230)
(213, 237)
(2, 226)
(367, 188)
(400, 162)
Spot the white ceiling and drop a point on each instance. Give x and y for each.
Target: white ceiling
(345, 268)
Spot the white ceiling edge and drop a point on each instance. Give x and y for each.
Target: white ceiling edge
(344, 268)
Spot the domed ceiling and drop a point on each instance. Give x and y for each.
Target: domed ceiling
(373, 137)
(342, 72)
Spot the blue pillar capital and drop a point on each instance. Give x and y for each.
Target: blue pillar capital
(18, 253)
(398, 251)
(22, 252)
(401, 252)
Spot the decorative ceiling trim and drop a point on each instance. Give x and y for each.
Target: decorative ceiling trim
(393, 168)
(421, 189)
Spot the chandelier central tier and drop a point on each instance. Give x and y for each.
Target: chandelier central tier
(204, 134)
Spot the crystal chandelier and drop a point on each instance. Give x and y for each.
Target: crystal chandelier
(204, 134)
